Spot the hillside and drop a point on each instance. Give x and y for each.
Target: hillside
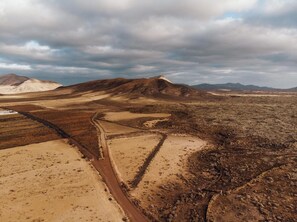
(12, 79)
(14, 84)
(293, 89)
(152, 87)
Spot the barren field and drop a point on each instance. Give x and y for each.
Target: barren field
(117, 116)
(168, 167)
(75, 123)
(114, 128)
(63, 104)
(17, 130)
(51, 182)
(129, 153)
(55, 100)
(225, 158)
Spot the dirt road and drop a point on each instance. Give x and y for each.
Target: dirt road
(104, 166)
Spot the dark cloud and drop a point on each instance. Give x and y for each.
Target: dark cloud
(275, 13)
(191, 41)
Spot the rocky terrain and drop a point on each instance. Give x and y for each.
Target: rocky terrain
(168, 152)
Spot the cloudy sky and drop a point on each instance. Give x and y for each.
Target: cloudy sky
(189, 41)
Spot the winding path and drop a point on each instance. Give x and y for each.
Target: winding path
(102, 140)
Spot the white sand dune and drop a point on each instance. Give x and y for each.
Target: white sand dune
(30, 85)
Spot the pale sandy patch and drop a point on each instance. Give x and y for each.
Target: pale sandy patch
(65, 103)
(51, 182)
(4, 112)
(30, 85)
(129, 153)
(168, 165)
(116, 116)
(58, 103)
(113, 128)
(136, 100)
(10, 96)
(145, 100)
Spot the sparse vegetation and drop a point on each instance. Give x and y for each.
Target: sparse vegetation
(246, 171)
(249, 138)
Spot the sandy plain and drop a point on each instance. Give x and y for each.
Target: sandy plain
(129, 153)
(262, 128)
(68, 102)
(50, 181)
(117, 116)
(114, 128)
(168, 166)
(54, 103)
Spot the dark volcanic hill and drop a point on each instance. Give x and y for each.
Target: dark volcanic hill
(233, 87)
(154, 87)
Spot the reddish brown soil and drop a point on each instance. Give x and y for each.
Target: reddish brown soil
(75, 123)
(104, 165)
(249, 166)
(249, 138)
(16, 130)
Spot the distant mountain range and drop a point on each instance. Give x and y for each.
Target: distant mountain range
(238, 87)
(13, 84)
(157, 86)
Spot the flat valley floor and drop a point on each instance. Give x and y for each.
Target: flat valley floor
(67, 156)
(50, 181)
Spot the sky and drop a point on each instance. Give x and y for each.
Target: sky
(188, 41)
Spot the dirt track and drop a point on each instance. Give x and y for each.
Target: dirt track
(103, 166)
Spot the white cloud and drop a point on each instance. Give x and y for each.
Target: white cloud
(64, 69)
(188, 40)
(35, 46)
(142, 68)
(31, 49)
(14, 66)
(277, 6)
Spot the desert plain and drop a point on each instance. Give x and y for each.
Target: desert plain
(78, 154)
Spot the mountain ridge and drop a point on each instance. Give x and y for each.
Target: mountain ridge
(157, 86)
(238, 87)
